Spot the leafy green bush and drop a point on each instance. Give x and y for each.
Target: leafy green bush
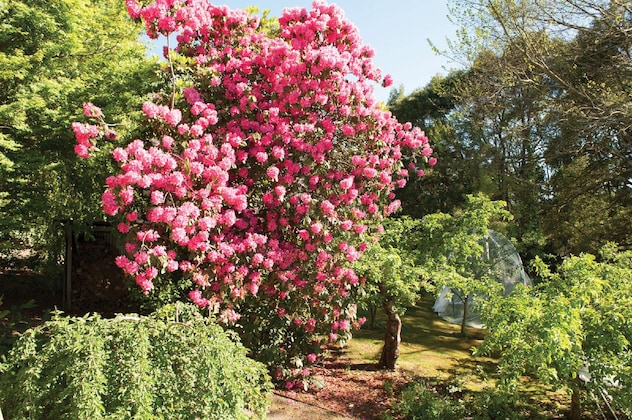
(495, 404)
(417, 402)
(132, 367)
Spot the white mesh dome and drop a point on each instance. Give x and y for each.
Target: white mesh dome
(506, 268)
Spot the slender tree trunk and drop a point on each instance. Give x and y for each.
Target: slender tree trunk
(392, 337)
(464, 319)
(576, 409)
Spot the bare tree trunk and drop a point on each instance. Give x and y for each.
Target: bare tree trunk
(464, 319)
(392, 337)
(576, 409)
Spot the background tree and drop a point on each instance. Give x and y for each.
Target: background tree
(452, 250)
(53, 56)
(435, 109)
(392, 281)
(574, 321)
(559, 72)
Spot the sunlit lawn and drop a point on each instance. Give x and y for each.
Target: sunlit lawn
(434, 350)
(431, 347)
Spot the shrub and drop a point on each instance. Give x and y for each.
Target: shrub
(419, 402)
(132, 367)
(495, 404)
(260, 174)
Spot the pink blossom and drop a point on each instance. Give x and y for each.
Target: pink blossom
(157, 197)
(173, 117)
(196, 297)
(119, 155)
(150, 109)
(111, 134)
(92, 111)
(82, 151)
(280, 191)
(346, 183)
(369, 172)
(123, 227)
(387, 81)
(273, 173)
(316, 228)
(327, 208)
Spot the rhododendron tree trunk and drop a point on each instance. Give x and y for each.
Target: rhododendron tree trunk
(263, 174)
(392, 337)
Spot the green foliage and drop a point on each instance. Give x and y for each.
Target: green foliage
(434, 109)
(53, 57)
(453, 253)
(576, 319)
(174, 364)
(417, 402)
(538, 117)
(390, 267)
(421, 401)
(12, 320)
(494, 404)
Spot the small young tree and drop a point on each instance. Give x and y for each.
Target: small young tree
(452, 250)
(575, 320)
(263, 174)
(391, 281)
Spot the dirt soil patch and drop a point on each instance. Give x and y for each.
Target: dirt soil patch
(359, 391)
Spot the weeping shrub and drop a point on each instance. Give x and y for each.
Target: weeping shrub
(173, 364)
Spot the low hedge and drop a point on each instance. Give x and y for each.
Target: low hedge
(174, 364)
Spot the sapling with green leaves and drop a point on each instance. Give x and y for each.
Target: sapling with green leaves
(392, 281)
(453, 253)
(575, 323)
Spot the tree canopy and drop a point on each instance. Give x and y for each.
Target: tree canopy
(571, 330)
(53, 56)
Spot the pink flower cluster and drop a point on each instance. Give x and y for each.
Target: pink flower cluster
(86, 134)
(271, 173)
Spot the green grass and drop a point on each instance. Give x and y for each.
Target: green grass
(430, 348)
(434, 351)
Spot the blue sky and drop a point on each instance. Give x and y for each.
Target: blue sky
(398, 30)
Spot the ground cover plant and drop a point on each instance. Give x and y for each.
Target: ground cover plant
(173, 364)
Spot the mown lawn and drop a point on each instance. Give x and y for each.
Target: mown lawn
(434, 351)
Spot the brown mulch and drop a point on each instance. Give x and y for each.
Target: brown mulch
(359, 391)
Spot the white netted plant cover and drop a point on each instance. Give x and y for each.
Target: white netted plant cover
(506, 268)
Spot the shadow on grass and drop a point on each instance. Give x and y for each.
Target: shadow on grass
(424, 336)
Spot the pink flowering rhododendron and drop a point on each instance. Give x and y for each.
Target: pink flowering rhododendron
(265, 176)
